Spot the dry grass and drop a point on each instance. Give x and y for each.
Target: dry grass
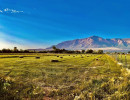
(72, 78)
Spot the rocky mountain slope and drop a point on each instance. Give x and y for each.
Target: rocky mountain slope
(94, 42)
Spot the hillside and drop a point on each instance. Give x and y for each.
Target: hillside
(127, 40)
(96, 43)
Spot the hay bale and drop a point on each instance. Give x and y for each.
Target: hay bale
(82, 57)
(54, 60)
(87, 56)
(37, 57)
(57, 56)
(96, 58)
(21, 57)
(61, 57)
(73, 56)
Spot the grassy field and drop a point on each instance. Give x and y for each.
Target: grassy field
(74, 77)
(123, 59)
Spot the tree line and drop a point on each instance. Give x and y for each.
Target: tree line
(13, 51)
(54, 50)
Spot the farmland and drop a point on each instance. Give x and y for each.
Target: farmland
(122, 58)
(73, 77)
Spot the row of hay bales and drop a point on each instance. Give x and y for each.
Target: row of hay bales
(68, 55)
(54, 55)
(73, 56)
(35, 57)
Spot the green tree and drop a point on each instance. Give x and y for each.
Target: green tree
(54, 47)
(89, 51)
(83, 51)
(100, 52)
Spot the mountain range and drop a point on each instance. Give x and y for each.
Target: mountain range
(95, 42)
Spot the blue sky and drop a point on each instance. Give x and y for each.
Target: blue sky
(42, 23)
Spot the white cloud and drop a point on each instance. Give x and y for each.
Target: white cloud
(1, 11)
(7, 10)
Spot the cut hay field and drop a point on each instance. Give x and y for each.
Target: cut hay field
(73, 77)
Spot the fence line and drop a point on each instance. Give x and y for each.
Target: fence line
(122, 59)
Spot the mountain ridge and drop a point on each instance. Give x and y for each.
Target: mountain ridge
(94, 42)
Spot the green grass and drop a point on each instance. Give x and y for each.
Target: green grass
(72, 78)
